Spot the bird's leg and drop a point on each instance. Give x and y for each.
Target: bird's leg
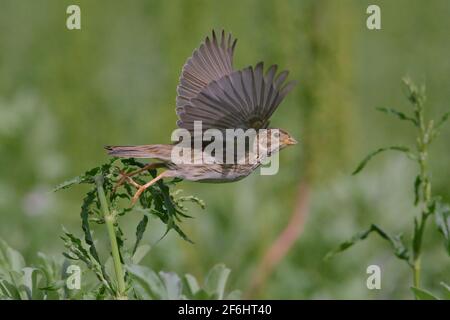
(127, 176)
(148, 184)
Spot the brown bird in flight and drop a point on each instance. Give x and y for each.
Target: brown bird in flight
(212, 93)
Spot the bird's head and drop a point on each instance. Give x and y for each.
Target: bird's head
(271, 141)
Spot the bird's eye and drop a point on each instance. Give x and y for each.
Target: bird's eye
(276, 135)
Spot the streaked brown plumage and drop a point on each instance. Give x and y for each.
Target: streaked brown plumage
(212, 92)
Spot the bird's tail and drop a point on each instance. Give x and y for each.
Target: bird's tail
(151, 151)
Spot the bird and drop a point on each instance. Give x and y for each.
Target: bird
(211, 92)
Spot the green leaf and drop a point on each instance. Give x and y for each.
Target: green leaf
(76, 251)
(140, 253)
(147, 283)
(69, 183)
(347, 244)
(10, 259)
(446, 286)
(417, 184)
(87, 177)
(87, 202)
(140, 229)
(447, 290)
(422, 294)
(171, 211)
(364, 162)
(234, 295)
(173, 285)
(443, 119)
(396, 242)
(216, 281)
(442, 220)
(31, 280)
(191, 286)
(398, 114)
(11, 290)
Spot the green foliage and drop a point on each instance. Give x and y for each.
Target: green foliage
(423, 198)
(155, 201)
(422, 294)
(373, 154)
(47, 281)
(399, 115)
(396, 242)
(63, 97)
(21, 282)
(102, 205)
(168, 285)
(442, 219)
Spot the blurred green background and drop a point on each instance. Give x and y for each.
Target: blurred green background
(65, 94)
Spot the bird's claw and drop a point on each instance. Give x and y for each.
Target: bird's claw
(125, 177)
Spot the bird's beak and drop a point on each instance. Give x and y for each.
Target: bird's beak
(291, 141)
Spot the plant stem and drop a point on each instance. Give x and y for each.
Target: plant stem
(416, 258)
(425, 194)
(109, 221)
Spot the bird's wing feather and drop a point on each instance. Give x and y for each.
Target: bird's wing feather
(211, 61)
(242, 99)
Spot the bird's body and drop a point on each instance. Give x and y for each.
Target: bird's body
(212, 173)
(220, 98)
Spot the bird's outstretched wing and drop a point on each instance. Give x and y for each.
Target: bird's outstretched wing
(211, 61)
(242, 99)
(210, 90)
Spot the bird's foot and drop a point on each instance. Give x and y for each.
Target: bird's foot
(127, 176)
(142, 188)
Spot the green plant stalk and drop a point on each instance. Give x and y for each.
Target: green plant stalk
(425, 197)
(109, 221)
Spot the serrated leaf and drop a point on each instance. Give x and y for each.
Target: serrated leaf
(140, 229)
(78, 252)
(364, 162)
(87, 202)
(171, 212)
(68, 183)
(87, 177)
(422, 294)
